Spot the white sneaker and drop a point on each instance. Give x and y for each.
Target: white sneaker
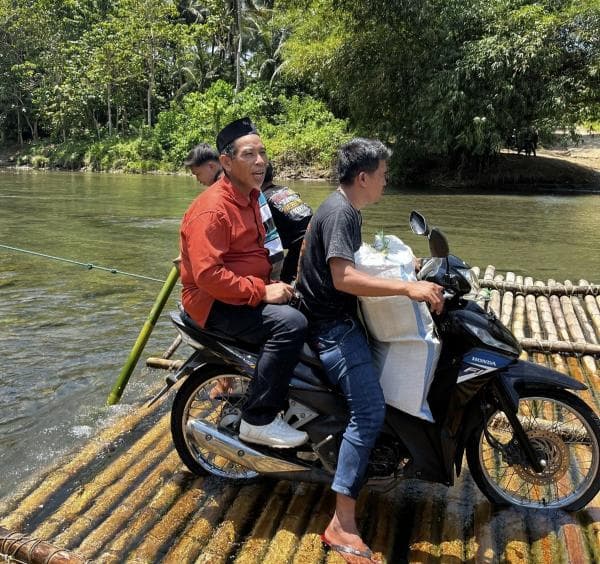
(277, 434)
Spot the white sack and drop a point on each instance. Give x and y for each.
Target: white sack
(405, 343)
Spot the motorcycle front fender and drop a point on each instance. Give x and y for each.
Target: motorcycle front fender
(523, 374)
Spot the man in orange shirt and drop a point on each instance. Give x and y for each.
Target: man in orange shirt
(225, 272)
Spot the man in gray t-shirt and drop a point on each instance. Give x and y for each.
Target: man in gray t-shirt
(329, 284)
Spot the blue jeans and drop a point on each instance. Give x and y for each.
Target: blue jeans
(281, 331)
(344, 351)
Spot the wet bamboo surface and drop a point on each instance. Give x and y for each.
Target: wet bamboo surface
(126, 497)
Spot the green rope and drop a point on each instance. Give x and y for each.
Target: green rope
(87, 265)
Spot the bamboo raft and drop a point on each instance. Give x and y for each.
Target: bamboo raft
(126, 497)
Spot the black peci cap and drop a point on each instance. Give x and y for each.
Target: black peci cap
(233, 131)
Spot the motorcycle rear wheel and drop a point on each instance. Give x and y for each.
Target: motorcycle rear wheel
(216, 397)
(563, 429)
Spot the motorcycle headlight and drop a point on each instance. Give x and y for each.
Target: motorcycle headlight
(471, 278)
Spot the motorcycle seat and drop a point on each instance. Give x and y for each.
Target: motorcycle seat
(199, 333)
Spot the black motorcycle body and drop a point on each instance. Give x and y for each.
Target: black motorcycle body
(483, 398)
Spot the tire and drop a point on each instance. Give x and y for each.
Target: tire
(223, 409)
(563, 429)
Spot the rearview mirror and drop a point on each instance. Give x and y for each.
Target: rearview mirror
(418, 223)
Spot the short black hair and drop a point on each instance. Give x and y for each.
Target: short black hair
(360, 155)
(201, 154)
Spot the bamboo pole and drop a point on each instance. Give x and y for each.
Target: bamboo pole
(566, 347)
(533, 320)
(111, 496)
(140, 343)
(257, 544)
(145, 519)
(575, 330)
(547, 321)
(593, 311)
(311, 548)
(33, 551)
(196, 540)
(163, 363)
(452, 542)
(518, 322)
(54, 483)
(528, 288)
(128, 507)
(144, 453)
(507, 302)
(495, 299)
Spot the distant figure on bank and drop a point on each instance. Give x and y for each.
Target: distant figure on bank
(203, 162)
(291, 216)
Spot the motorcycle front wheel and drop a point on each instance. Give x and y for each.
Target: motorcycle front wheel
(563, 431)
(215, 397)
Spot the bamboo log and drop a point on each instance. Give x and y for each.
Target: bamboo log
(545, 314)
(140, 343)
(557, 313)
(567, 347)
(290, 527)
(53, 483)
(452, 542)
(163, 363)
(507, 302)
(111, 496)
(586, 327)
(518, 323)
(422, 545)
(84, 497)
(202, 526)
(495, 298)
(254, 549)
(33, 551)
(174, 346)
(533, 320)
(310, 549)
(528, 288)
(512, 534)
(382, 527)
(128, 507)
(575, 330)
(593, 311)
(145, 519)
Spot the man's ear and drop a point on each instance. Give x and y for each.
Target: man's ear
(225, 161)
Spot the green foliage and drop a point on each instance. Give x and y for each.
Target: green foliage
(450, 77)
(296, 131)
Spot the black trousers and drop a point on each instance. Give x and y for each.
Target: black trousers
(281, 330)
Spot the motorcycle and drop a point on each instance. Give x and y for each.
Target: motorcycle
(529, 441)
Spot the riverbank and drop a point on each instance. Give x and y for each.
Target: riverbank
(566, 165)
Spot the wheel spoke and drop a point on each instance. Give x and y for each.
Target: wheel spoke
(562, 437)
(218, 401)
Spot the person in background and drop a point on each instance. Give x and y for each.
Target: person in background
(329, 284)
(291, 216)
(203, 162)
(227, 286)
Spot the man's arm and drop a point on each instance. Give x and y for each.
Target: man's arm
(347, 278)
(207, 240)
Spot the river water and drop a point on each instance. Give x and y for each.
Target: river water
(65, 330)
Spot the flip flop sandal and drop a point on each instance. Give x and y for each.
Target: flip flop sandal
(343, 549)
